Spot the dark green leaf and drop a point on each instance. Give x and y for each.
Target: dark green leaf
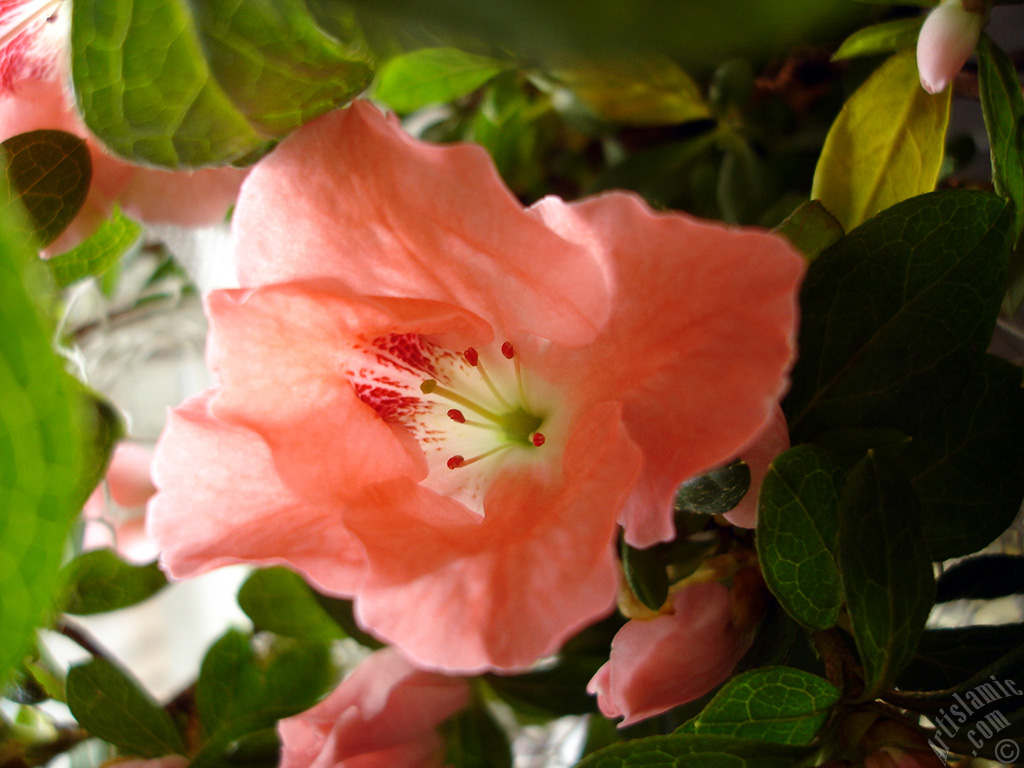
(50, 173)
(433, 76)
(885, 568)
(260, 748)
(811, 229)
(967, 463)
(849, 444)
(560, 690)
(646, 575)
(181, 84)
(229, 681)
(96, 255)
(41, 437)
(475, 740)
(715, 492)
(947, 657)
(886, 37)
(99, 581)
(742, 184)
(279, 601)
(797, 524)
(341, 613)
(110, 705)
(981, 577)
(686, 750)
(895, 311)
(774, 704)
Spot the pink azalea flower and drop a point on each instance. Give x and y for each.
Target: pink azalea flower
(657, 664)
(758, 456)
(120, 522)
(384, 715)
(33, 70)
(947, 40)
(440, 403)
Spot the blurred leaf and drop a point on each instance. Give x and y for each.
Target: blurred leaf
(96, 255)
(947, 657)
(967, 462)
(341, 612)
(714, 492)
(886, 37)
(41, 441)
(849, 444)
(981, 577)
(811, 229)
(797, 524)
(505, 125)
(685, 750)
(110, 705)
(433, 76)
(280, 601)
(551, 692)
(885, 568)
(259, 748)
(50, 172)
(641, 91)
(774, 704)
(229, 681)
(895, 311)
(645, 573)
(179, 84)
(885, 146)
(742, 183)
(474, 740)
(99, 581)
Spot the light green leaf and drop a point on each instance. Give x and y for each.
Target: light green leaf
(99, 581)
(775, 704)
(886, 569)
(811, 229)
(181, 84)
(433, 76)
(110, 705)
(886, 37)
(96, 255)
(797, 524)
(885, 146)
(50, 172)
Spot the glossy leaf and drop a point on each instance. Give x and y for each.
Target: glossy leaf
(886, 37)
(894, 313)
(885, 146)
(981, 577)
(50, 172)
(180, 84)
(811, 229)
(947, 657)
(645, 574)
(433, 76)
(110, 705)
(885, 568)
(99, 581)
(99, 253)
(685, 750)
(967, 462)
(279, 601)
(797, 525)
(774, 704)
(42, 428)
(714, 492)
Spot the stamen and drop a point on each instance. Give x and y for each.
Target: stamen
(459, 461)
(455, 462)
(508, 350)
(456, 415)
(537, 439)
(430, 387)
(472, 356)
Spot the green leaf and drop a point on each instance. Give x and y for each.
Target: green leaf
(646, 575)
(99, 581)
(714, 492)
(96, 255)
(181, 84)
(947, 657)
(560, 690)
(341, 612)
(50, 173)
(475, 740)
(229, 680)
(981, 577)
(110, 705)
(742, 184)
(895, 311)
(42, 432)
(433, 76)
(278, 600)
(684, 750)
(811, 229)
(886, 37)
(885, 568)
(797, 525)
(967, 462)
(643, 91)
(774, 704)
(885, 146)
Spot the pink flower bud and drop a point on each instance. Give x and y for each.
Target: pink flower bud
(947, 39)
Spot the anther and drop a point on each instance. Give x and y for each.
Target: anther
(428, 386)
(456, 415)
(508, 350)
(472, 356)
(537, 439)
(455, 462)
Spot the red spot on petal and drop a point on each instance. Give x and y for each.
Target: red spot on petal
(456, 415)
(455, 462)
(508, 350)
(472, 356)
(537, 439)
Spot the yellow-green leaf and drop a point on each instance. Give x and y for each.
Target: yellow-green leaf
(885, 146)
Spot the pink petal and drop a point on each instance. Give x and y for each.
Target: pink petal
(350, 196)
(766, 446)
(467, 594)
(221, 502)
(698, 347)
(384, 715)
(128, 475)
(946, 41)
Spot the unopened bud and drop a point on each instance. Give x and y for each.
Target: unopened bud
(947, 39)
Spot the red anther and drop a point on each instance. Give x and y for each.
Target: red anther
(456, 415)
(508, 350)
(455, 462)
(472, 356)
(537, 439)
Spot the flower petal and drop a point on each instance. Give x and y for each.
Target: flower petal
(351, 196)
(468, 594)
(219, 502)
(698, 347)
